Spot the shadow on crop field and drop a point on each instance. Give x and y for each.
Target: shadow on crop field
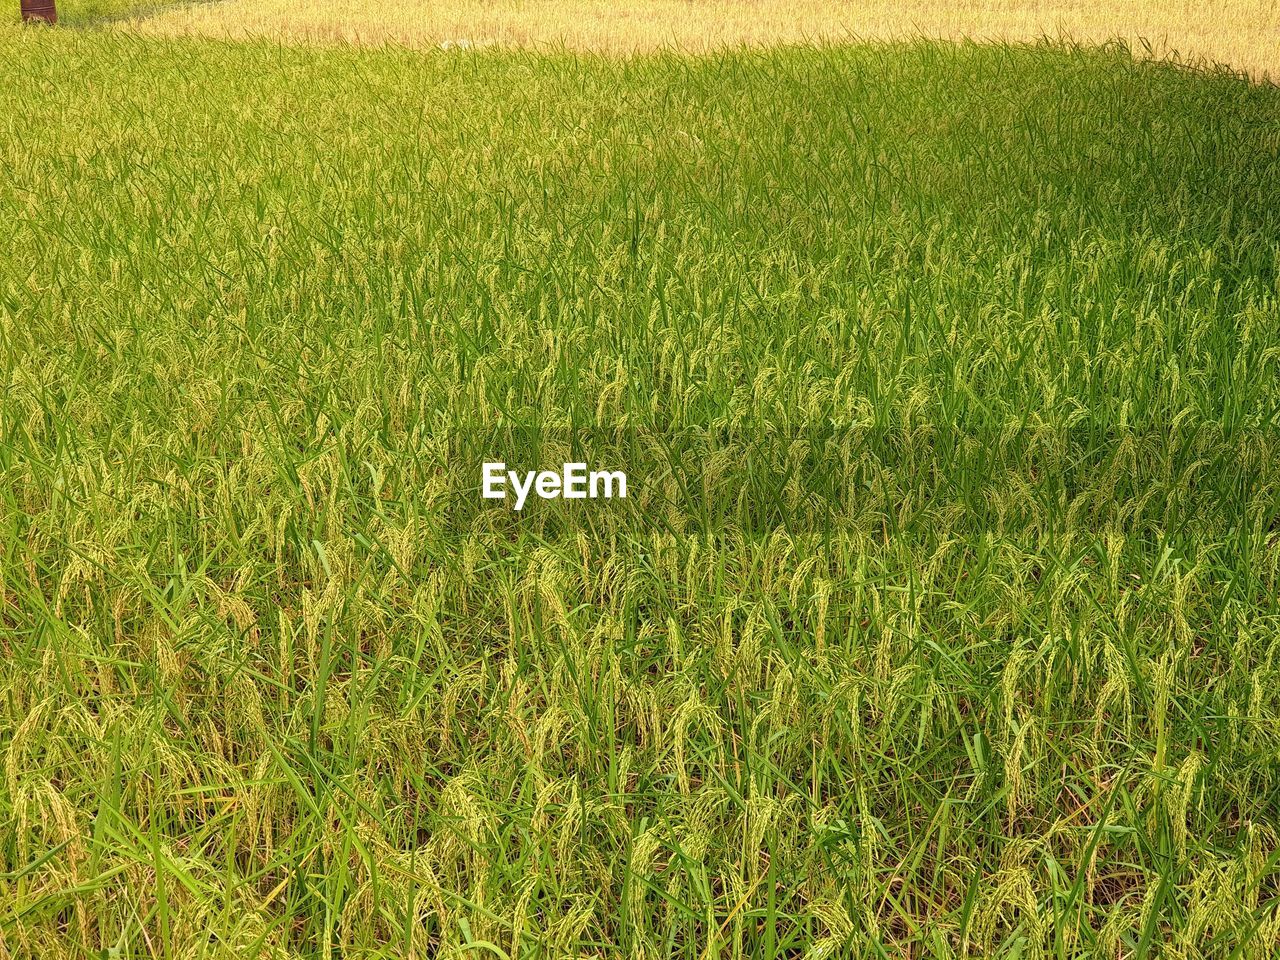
(984, 237)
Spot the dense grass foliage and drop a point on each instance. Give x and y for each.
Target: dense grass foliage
(272, 684)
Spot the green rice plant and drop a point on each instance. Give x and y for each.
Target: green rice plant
(942, 620)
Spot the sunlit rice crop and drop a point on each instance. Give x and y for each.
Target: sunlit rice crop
(1243, 33)
(942, 616)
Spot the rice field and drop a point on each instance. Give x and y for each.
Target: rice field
(941, 620)
(1242, 33)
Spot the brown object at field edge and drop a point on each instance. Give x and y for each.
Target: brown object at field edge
(38, 11)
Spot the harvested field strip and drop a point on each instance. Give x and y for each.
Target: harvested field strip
(1242, 33)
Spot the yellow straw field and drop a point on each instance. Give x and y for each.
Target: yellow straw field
(1242, 33)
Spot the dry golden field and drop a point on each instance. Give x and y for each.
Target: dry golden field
(1242, 33)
